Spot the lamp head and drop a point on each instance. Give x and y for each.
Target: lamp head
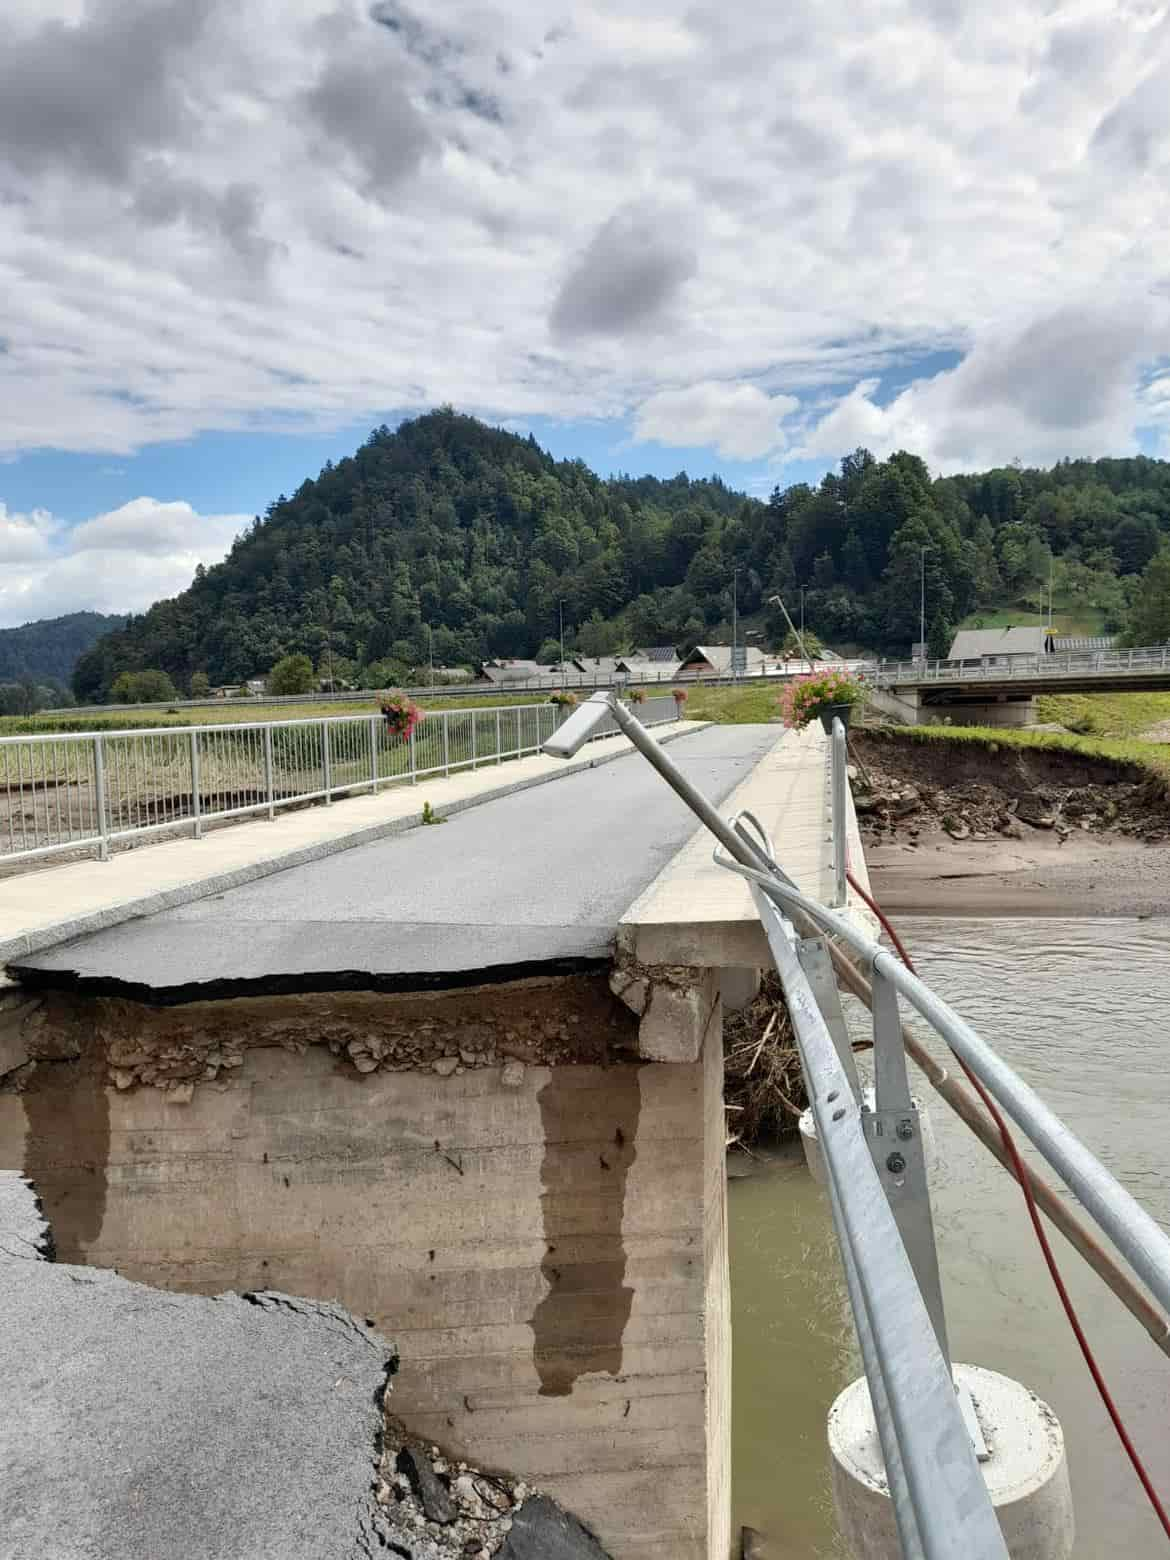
(580, 726)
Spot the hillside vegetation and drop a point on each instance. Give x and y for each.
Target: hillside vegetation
(44, 654)
(453, 539)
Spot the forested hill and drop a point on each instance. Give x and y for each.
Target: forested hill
(447, 527)
(47, 651)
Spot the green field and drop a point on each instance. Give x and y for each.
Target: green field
(1122, 715)
(239, 711)
(744, 705)
(1065, 620)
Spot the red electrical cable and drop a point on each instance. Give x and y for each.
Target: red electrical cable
(1009, 1144)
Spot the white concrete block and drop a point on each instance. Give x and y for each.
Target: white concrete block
(1026, 1474)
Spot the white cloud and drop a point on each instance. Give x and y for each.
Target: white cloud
(236, 216)
(24, 538)
(741, 421)
(1065, 384)
(123, 561)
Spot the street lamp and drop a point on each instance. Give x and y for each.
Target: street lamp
(775, 601)
(734, 618)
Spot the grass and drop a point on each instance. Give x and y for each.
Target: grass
(1151, 757)
(734, 706)
(1123, 715)
(238, 711)
(1066, 620)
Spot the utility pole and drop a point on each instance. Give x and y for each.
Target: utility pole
(431, 652)
(808, 665)
(561, 611)
(734, 618)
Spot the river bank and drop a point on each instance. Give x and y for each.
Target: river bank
(1000, 831)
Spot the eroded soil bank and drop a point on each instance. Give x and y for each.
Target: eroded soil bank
(964, 828)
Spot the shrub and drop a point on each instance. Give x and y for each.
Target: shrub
(563, 700)
(291, 674)
(637, 696)
(151, 686)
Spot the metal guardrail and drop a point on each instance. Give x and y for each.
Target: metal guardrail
(1076, 665)
(62, 792)
(930, 1436)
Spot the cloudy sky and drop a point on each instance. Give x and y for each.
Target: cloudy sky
(739, 237)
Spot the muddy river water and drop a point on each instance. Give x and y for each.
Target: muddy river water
(1081, 1009)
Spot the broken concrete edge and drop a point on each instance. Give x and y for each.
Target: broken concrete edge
(420, 1503)
(674, 1005)
(17, 1009)
(187, 893)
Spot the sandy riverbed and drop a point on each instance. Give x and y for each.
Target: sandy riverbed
(1043, 833)
(1086, 875)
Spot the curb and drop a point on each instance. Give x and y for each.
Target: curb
(186, 893)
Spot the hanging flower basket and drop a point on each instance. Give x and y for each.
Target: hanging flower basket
(564, 701)
(637, 696)
(680, 697)
(400, 713)
(821, 695)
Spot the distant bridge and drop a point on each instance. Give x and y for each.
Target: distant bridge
(999, 689)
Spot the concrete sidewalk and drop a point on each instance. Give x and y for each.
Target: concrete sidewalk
(56, 905)
(698, 913)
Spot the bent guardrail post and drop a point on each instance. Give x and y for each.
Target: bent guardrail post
(894, 1133)
(940, 1501)
(839, 779)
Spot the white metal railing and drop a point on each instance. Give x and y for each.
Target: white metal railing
(774, 669)
(62, 792)
(1071, 664)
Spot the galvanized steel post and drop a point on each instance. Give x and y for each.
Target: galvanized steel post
(99, 783)
(895, 1142)
(196, 788)
(446, 744)
(268, 773)
(373, 753)
(838, 769)
(327, 763)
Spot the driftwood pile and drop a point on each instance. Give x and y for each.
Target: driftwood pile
(763, 1088)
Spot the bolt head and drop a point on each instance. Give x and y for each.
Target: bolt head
(905, 1130)
(895, 1164)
